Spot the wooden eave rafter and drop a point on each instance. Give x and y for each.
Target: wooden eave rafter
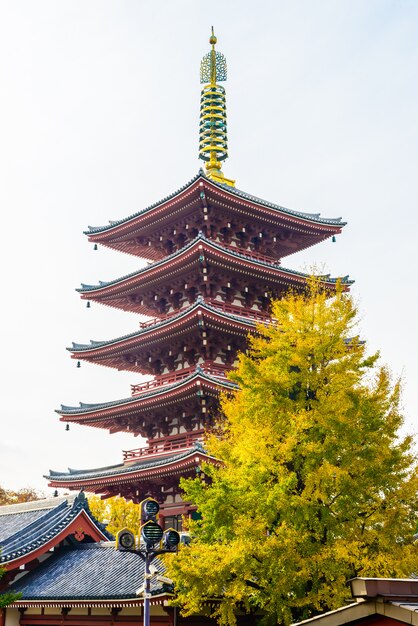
(123, 235)
(159, 472)
(93, 603)
(113, 354)
(119, 294)
(105, 417)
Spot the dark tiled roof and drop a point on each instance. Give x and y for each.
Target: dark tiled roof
(198, 373)
(14, 523)
(27, 527)
(115, 470)
(112, 223)
(311, 217)
(87, 571)
(201, 237)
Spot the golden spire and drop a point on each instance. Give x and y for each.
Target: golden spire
(213, 142)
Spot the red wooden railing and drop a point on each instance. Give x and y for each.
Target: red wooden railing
(155, 320)
(215, 369)
(161, 448)
(251, 254)
(164, 379)
(240, 310)
(222, 306)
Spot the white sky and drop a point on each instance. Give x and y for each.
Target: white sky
(99, 104)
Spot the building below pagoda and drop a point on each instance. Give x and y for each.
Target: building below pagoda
(65, 567)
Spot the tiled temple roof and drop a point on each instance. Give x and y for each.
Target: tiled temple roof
(87, 572)
(26, 527)
(311, 217)
(201, 237)
(200, 303)
(199, 372)
(115, 470)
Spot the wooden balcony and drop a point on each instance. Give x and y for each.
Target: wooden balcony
(252, 254)
(162, 448)
(222, 306)
(215, 369)
(234, 309)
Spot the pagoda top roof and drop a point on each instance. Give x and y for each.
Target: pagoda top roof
(120, 469)
(217, 246)
(198, 373)
(87, 572)
(314, 218)
(30, 527)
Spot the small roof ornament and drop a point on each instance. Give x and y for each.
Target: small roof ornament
(213, 144)
(213, 65)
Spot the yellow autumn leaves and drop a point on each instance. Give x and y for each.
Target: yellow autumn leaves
(317, 483)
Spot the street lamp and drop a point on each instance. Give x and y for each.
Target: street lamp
(151, 542)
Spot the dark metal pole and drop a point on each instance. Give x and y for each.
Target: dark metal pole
(147, 589)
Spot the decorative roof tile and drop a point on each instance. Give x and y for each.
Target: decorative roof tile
(93, 229)
(200, 303)
(198, 373)
(26, 527)
(201, 237)
(87, 571)
(115, 470)
(311, 217)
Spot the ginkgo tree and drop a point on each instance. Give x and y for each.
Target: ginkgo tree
(317, 482)
(117, 512)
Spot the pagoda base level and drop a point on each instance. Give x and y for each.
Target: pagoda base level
(156, 476)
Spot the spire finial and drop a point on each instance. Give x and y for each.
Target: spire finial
(213, 145)
(212, 39)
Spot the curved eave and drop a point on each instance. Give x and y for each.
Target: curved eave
(120, 229)
(185, 319)
(46, 543)
(93, 602)
(157, 396)
(87, 602)
(181, 260)
(121, 474)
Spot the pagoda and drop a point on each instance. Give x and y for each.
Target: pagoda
(214, 263)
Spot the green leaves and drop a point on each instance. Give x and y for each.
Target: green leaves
(8, 597)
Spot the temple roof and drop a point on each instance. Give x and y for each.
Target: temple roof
(191, 456)
(162, 390)
(88, 572)
(314, 218)
(210, 244)
(200, 304)
(29, 527)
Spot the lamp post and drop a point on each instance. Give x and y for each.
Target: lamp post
(151, 541)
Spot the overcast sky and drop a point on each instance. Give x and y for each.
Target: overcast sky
(99, 106)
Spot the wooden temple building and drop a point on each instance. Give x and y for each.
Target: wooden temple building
(63, 564)
(65, 567)
(214, 258)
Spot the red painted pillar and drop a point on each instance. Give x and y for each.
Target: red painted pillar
(2, 617)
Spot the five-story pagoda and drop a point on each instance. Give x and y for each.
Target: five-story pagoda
(213, 257)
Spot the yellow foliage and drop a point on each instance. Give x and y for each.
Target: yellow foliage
(317, 484)
(117, 512)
